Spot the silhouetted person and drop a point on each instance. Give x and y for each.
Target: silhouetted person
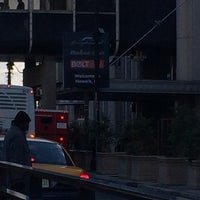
(16, 150)
(20, 5)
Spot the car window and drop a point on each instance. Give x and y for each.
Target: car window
(48, 153)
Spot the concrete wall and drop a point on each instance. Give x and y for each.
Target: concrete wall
(44, 75)
(173, 171)
(188, 40)
(31, 76)
(155, 169)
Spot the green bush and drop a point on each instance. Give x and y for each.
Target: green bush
(184, 138)
(87, 134)
(138, 137)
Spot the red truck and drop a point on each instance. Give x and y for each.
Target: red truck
(52, 125)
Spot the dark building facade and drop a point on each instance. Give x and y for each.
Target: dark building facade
(142, 54)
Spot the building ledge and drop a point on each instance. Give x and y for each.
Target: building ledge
(126, 90)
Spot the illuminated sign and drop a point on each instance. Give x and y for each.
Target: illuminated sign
(84, 56)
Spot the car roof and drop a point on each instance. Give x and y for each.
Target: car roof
(40, 140)
(35, 139)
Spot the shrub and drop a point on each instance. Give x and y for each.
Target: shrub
(184, 138)
(139, 137)
(87, 134)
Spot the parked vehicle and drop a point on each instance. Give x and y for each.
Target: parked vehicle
(50, 155)
(52, 125)
(14, 98)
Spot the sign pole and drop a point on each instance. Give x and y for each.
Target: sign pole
(96, 85)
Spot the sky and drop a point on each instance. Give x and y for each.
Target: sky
(17, 76)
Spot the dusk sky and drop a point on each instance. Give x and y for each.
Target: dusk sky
(17, 78)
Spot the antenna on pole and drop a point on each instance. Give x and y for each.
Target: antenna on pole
(10, 69)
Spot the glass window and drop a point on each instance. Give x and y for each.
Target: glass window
(46, 120)
(55, 5)
(101, 5)
(38, 4)
(48, 153)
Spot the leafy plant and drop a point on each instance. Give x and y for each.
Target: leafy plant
(139, 137)
(90, 133)
(185, 135)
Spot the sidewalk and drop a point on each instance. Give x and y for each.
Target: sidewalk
(163, 191)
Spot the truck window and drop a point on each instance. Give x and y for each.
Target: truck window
(46, 120)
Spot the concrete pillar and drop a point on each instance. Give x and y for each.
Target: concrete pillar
(184, 40)
(188, 40)
(196, 40)
(48, 83)
(31, 76)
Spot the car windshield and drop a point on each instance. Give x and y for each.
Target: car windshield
(48, 153)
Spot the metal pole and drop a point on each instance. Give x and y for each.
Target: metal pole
(96, 99)
(10, 68)
(74, 15)
(97, 106)
(30, 6)
(117, 30)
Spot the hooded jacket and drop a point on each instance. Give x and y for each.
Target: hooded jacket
(16, 150)
(16, 147)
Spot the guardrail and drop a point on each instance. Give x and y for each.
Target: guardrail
(92, 184)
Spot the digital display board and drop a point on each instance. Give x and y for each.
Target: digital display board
(86, 59)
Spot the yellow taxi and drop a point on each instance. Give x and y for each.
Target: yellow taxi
(50, 155)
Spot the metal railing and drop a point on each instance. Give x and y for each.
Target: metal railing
(91, 184)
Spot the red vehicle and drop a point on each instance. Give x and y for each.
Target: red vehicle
(52, 125)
